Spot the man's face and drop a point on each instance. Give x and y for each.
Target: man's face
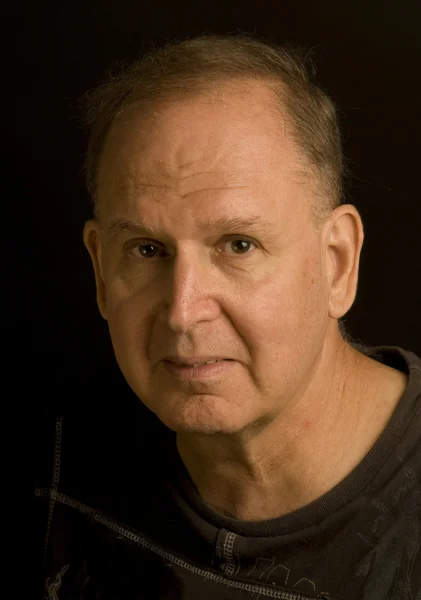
(255, 295)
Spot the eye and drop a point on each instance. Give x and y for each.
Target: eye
(145, 250)
(240, 245)
(149, 250)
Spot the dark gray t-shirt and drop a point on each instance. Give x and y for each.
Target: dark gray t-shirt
(125, 520)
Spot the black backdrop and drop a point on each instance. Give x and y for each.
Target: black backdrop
(368, 55)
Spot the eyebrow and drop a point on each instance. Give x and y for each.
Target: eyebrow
(119, 226)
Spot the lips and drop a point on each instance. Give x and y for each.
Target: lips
(199, 370)
(193, 362)
(195, 365)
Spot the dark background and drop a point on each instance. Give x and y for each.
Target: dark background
(368, 54)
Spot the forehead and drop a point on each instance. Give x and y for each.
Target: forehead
(229, 150)
(231, 130)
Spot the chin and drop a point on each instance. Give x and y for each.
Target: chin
(202, 415)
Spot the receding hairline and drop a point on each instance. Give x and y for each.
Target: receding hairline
(132, 109)
(148, 108)
(184, 67)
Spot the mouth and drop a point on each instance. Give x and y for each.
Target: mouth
(196, 362)
(198, 370)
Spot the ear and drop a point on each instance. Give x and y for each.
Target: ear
(92, 241)
(345, 237)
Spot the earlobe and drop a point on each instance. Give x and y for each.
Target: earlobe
(92, 241)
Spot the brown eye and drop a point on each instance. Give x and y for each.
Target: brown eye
(145, 250)
(241, 246)
(148, 250)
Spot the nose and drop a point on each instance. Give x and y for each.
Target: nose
(192, 292)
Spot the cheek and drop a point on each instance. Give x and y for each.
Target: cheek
(314, 297)
(128, 326)
(286, 328)
(289, 312)
(128, 301)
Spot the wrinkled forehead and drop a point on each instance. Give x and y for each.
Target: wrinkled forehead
(227, 131)
(228, 146)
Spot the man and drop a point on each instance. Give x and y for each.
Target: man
(286, 462)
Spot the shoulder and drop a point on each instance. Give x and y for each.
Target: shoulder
(392, 374)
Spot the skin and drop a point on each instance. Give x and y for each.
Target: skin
(298, 408)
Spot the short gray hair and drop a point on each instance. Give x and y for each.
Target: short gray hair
(187, 68)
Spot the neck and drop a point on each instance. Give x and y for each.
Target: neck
(309, 447)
